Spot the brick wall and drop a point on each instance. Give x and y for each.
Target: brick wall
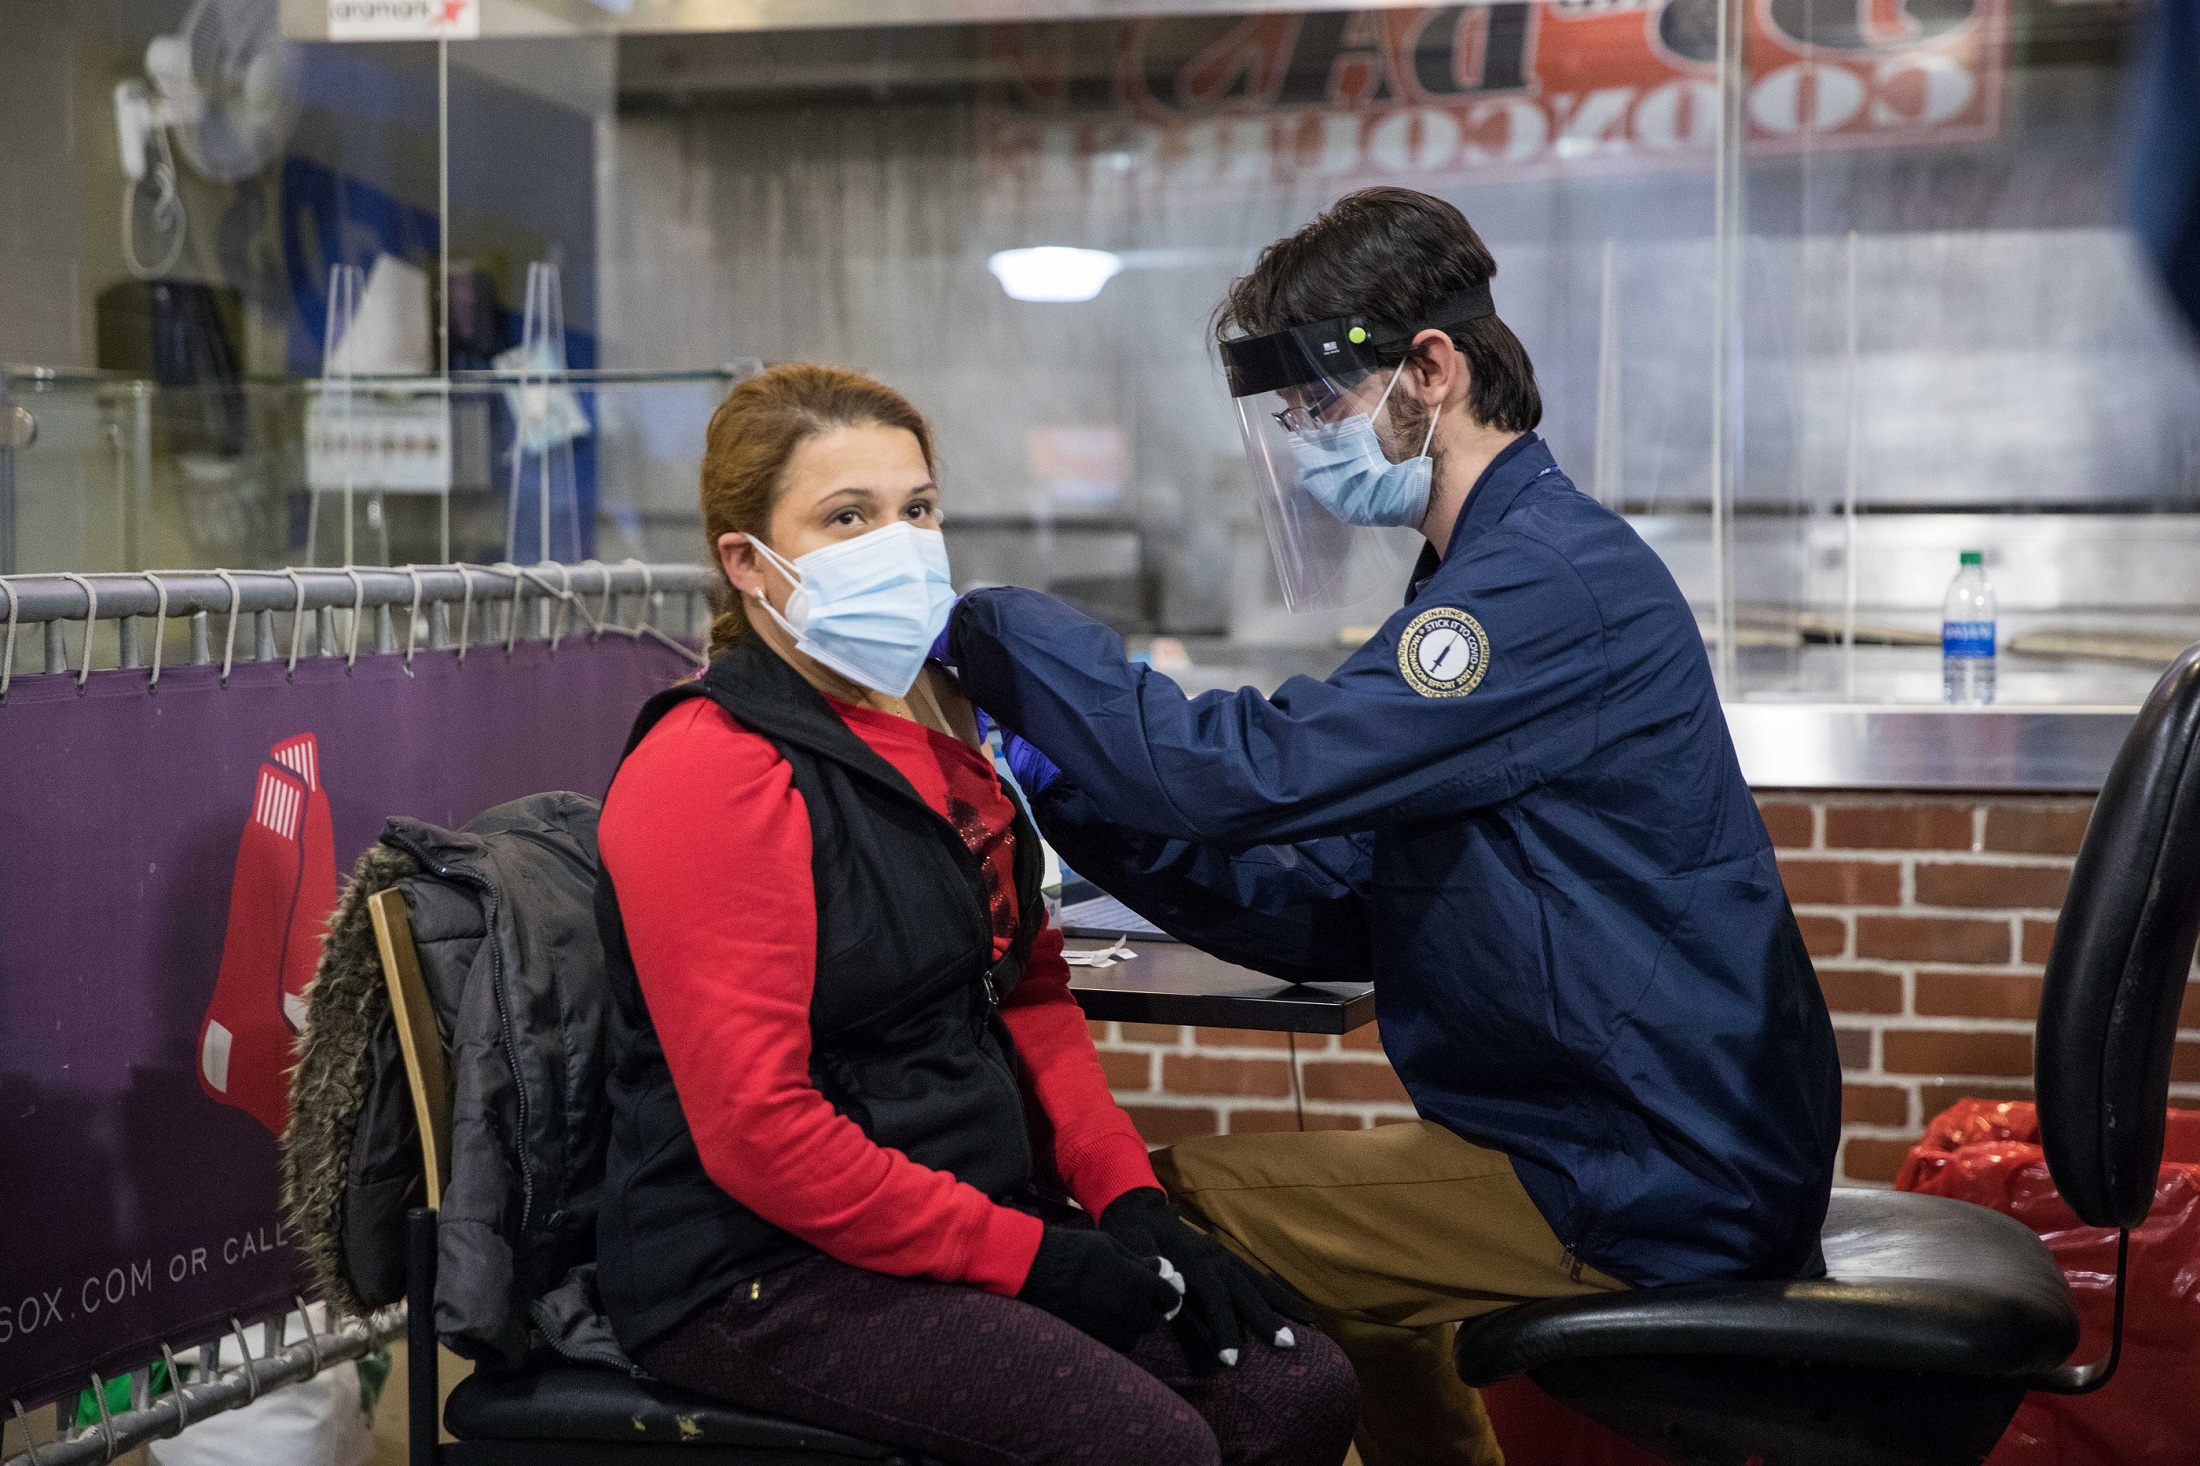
(1929, 919)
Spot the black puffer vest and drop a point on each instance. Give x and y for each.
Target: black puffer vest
(906, 1034)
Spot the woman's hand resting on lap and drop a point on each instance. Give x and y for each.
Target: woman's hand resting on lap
(1225, 1295)
(1093, 1282)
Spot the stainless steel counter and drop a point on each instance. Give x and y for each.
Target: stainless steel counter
(1905, 742)
(1848, 746)
(1791, 743)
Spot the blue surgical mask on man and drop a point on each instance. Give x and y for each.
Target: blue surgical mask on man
(1343, 465)
(867, 607)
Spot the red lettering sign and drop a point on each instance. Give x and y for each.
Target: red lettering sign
(1500, 90)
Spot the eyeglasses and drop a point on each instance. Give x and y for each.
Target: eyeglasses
(1302, 417)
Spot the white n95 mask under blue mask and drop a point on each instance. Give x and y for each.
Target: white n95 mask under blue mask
(869, 607)
(1343, 466)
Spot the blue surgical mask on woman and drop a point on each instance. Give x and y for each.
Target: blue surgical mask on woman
(1343, 465)
(868, 607)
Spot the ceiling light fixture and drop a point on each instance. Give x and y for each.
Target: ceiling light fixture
(1054, 272)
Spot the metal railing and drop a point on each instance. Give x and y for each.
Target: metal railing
(185, 1404)
(284, 615)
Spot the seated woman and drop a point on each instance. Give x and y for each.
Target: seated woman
(852, 1088)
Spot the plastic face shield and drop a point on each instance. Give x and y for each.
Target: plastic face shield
(1303, 383)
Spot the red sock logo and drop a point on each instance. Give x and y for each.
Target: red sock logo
(279, 901)
(316, 878)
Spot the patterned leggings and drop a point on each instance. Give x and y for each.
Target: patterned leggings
(980, 1380)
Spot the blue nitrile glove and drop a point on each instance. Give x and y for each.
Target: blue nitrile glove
(940, 652)
(1033, 769)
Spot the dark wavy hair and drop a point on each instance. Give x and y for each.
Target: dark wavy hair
(1391, 255)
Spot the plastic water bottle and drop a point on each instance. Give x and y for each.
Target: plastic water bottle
(1967, 634)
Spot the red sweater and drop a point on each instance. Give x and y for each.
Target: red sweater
(709, 843)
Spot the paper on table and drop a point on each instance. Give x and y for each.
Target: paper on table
(1108, 956)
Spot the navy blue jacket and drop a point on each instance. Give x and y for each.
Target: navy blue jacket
(1517, 811)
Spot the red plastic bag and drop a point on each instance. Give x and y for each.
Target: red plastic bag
(1536, 1430)
(2149, 1414)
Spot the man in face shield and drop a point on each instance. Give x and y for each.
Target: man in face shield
(1515, 810)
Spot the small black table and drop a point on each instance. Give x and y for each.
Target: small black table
(1168, 982)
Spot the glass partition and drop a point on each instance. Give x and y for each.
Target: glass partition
(1797, 277)
(857, 195)
(236, 330)
(1951, 345)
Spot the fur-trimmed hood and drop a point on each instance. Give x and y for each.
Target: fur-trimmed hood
(347, 1017)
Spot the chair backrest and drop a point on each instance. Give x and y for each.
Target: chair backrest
(2116, 974)
(426, 1074)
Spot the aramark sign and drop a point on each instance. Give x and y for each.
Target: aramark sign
(1500, 90)
(403, 20)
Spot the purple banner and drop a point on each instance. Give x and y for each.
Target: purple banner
(166, 861)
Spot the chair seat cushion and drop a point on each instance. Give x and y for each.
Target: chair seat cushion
(575, 1403)
(1912, 1282)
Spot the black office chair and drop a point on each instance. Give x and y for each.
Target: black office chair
(555, 1414)
(1935, 1317)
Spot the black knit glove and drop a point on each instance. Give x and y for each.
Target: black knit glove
(1224, 1294)
(1091, 1281)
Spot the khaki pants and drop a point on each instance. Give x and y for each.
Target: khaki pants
(1396, 1234)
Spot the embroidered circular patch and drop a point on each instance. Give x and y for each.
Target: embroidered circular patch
(1443, 653)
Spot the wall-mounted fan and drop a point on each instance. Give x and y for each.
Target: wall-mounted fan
(226, 86)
